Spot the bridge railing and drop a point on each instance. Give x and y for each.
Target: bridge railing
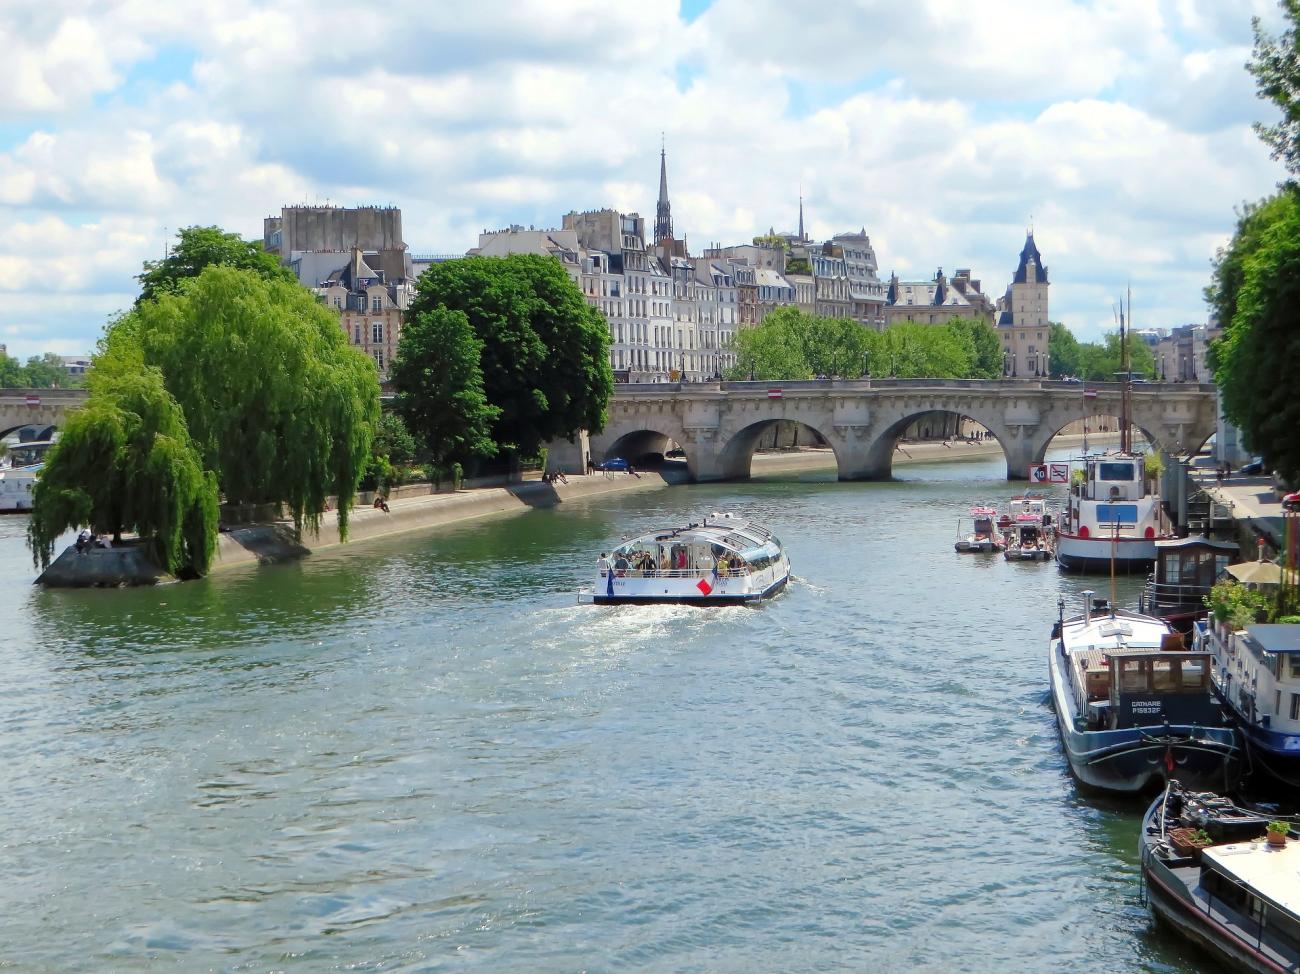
(1140, 389)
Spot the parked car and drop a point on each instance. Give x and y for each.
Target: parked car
(676, 454)
(613, 463)
(1254, 468)
(1291, 502)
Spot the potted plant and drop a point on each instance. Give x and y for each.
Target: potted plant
(1190, 842)
(1277, 832)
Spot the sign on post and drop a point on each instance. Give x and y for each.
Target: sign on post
(774, 393)
(1038, 473)
(33, 400)
(1058, 473)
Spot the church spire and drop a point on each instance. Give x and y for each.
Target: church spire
(801, 236)
(664, 211)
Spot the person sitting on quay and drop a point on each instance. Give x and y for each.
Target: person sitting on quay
(381, 503)
(84, 541)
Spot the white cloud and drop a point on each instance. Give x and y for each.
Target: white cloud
(1120, 125)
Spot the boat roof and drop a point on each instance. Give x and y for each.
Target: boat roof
(1196, 541)
(1123, 632)
(1280, 638)
(716, 529)
(1269, 873)
(983, 511)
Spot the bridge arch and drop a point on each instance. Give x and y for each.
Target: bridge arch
(736, 453)
(878, 461)
(634, 441)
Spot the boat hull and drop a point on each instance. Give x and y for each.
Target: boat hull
(1094, 554)
(721, 598)
(1275, 755)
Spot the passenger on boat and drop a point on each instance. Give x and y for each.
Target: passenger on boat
(723, 565)
(602, 564)
(620, 566)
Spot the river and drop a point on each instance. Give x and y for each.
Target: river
(422, 755)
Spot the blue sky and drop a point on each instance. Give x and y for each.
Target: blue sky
(1121, 127)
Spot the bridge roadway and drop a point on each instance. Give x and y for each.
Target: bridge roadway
(36, 407)
(719, 424)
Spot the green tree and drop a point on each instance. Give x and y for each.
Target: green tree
(1276, 67)
(544, 351)
(908, 350)
(1064, 355)
(440, 386)
(45, 372)
(125, 462)
(12, 375)
(837, 347)
(1256, 360)
(278, 404)
(201, 247)
(393, 440)
(986, 347)
(774, 349)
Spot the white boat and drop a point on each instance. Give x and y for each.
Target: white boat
(1133, 706)
(1110, 515)
(1027, 529)
(977, 533)
(723, 560)
(18, 475)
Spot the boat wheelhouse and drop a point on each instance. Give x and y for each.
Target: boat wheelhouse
(723, 560)
(978, 531)
(1208, 872)
(1133, 706)
(1110, 516)
(1256, 674)
(1185, 571)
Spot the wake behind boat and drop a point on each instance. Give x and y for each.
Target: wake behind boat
(723, 560)
(1133, 706)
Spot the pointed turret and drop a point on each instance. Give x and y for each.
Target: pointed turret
(801, 236)
(664, 210)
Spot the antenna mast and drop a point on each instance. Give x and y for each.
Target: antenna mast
(1125, 404)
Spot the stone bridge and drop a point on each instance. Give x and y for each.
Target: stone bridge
(43, 408)
(718, 424)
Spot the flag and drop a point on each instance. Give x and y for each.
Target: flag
(704, 586)
(609, 585)
(1089, 393)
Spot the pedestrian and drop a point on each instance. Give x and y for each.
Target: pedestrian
(632, 470)
(602, 564)
(1227, 470)
(591, 465)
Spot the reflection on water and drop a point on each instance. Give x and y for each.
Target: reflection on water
(422, 753)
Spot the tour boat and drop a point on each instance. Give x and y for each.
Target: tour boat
(1210, 871)
(1256, 674)
(19, 473)
(1110, 516)
(1133, 706)
(977, 533)
(1027, 529)
(723, 560)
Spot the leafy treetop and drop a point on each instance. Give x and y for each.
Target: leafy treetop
(200, 247)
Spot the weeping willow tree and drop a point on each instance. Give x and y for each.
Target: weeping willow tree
(125, 463)
(279, 406)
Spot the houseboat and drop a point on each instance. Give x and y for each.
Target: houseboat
(1185, 571)
(1257, 677)
(19, 471)
(722, 560)
(1133, 706)
(978, 531)
(1110, 516)
(1225, 878)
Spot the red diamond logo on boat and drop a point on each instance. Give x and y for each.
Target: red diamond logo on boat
(704, 586)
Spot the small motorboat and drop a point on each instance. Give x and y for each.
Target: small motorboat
(1225, 878)
(1028, 538)
(722, 560)
(977, 533)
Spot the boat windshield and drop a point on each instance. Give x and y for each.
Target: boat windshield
(27, 454)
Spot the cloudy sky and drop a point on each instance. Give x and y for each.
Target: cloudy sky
(1120, 127)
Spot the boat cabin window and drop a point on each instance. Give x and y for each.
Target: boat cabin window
(1198, 568)
(1163, 674)
(1115, 471)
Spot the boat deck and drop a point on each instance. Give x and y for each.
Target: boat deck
(1245, 930)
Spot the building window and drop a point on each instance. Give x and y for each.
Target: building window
(338, 302)
(379, 357)
(376, 303)
(377, 332)
(356, 334)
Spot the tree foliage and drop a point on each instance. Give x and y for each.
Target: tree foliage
(201, 247)
(41, 372)
(1254, 293)
(986, 347)
(440, 386)
(1064, 355)
(1276, 67)
(125, 463)
(278, 404)
(544, 352)
(393, 440)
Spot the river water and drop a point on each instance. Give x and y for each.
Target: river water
(421, 754)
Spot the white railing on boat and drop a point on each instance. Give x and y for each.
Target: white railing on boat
(678, 573)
